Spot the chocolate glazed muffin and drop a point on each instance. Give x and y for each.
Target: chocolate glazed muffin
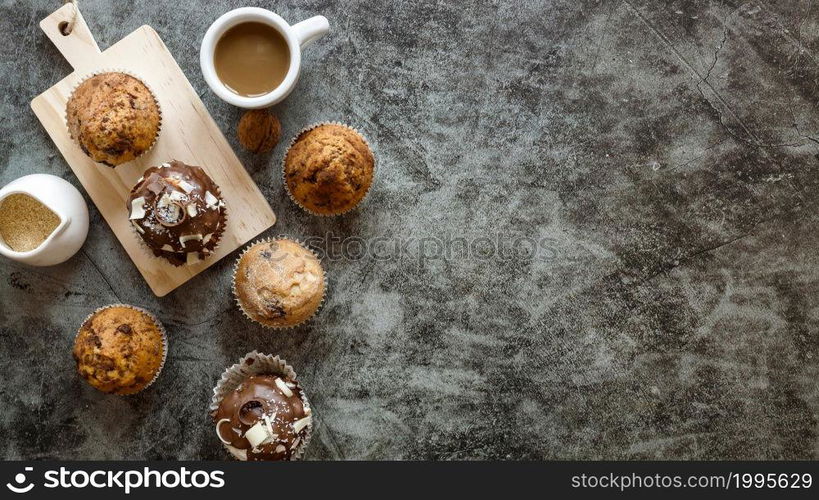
(113, 117)
(120, 349)
(329, 169)
(265, 418)
(178, 212)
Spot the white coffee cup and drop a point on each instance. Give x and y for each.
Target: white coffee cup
(297, 36)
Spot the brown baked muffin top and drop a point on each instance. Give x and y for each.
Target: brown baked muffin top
(279, 283)
(113, 117)
(329, 169)
(119, 350)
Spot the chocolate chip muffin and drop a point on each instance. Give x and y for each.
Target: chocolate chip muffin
(265, 418)
(178, 212)
(113, 117)
(278, 283)
(328, 169)
(120, 349)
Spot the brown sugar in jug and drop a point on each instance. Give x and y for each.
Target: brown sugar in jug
(25, 223)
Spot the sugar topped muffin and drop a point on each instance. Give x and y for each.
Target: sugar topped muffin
(113, 117)
(178, 212)
(329, 169)
(120, 349)
(278, 283)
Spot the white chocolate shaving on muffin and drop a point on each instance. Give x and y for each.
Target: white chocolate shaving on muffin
(186, 186)
(167, 248)
(164, 200)
(189, 237)
(269, 424)
(138, 208)
(301, 423)
(211, 201)
(258, 434)
(219, 434)
(192, 210)
(282, 387)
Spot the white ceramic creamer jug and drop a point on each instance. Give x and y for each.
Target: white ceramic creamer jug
(65, 202)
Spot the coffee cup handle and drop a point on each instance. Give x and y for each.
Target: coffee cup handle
(310, 29)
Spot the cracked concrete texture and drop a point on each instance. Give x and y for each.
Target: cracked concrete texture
(664, 155)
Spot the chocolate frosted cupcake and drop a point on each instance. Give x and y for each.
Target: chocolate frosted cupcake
(178, 211)
(113, 117)
(260, 411)
(328, 169)
(278, 283)
(120, 349)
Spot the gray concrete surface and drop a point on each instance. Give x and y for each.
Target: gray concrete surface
(664, 155)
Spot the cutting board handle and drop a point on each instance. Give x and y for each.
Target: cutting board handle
(78, 47)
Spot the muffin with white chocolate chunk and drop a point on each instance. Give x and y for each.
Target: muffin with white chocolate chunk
(266, 417)
(178, 212)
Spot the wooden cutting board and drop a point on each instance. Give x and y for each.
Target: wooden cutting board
(188, 134)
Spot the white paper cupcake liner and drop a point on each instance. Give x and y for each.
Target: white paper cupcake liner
(217, 238)
(309, 128)
(129, 73)
(236, 295)
(156, 322)
(256, 363)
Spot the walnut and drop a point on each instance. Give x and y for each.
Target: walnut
(259, 130)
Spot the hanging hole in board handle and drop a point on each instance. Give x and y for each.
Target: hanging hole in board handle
(69, 33)
(66, 27)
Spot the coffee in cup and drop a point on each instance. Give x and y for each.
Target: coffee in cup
(252, 58)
